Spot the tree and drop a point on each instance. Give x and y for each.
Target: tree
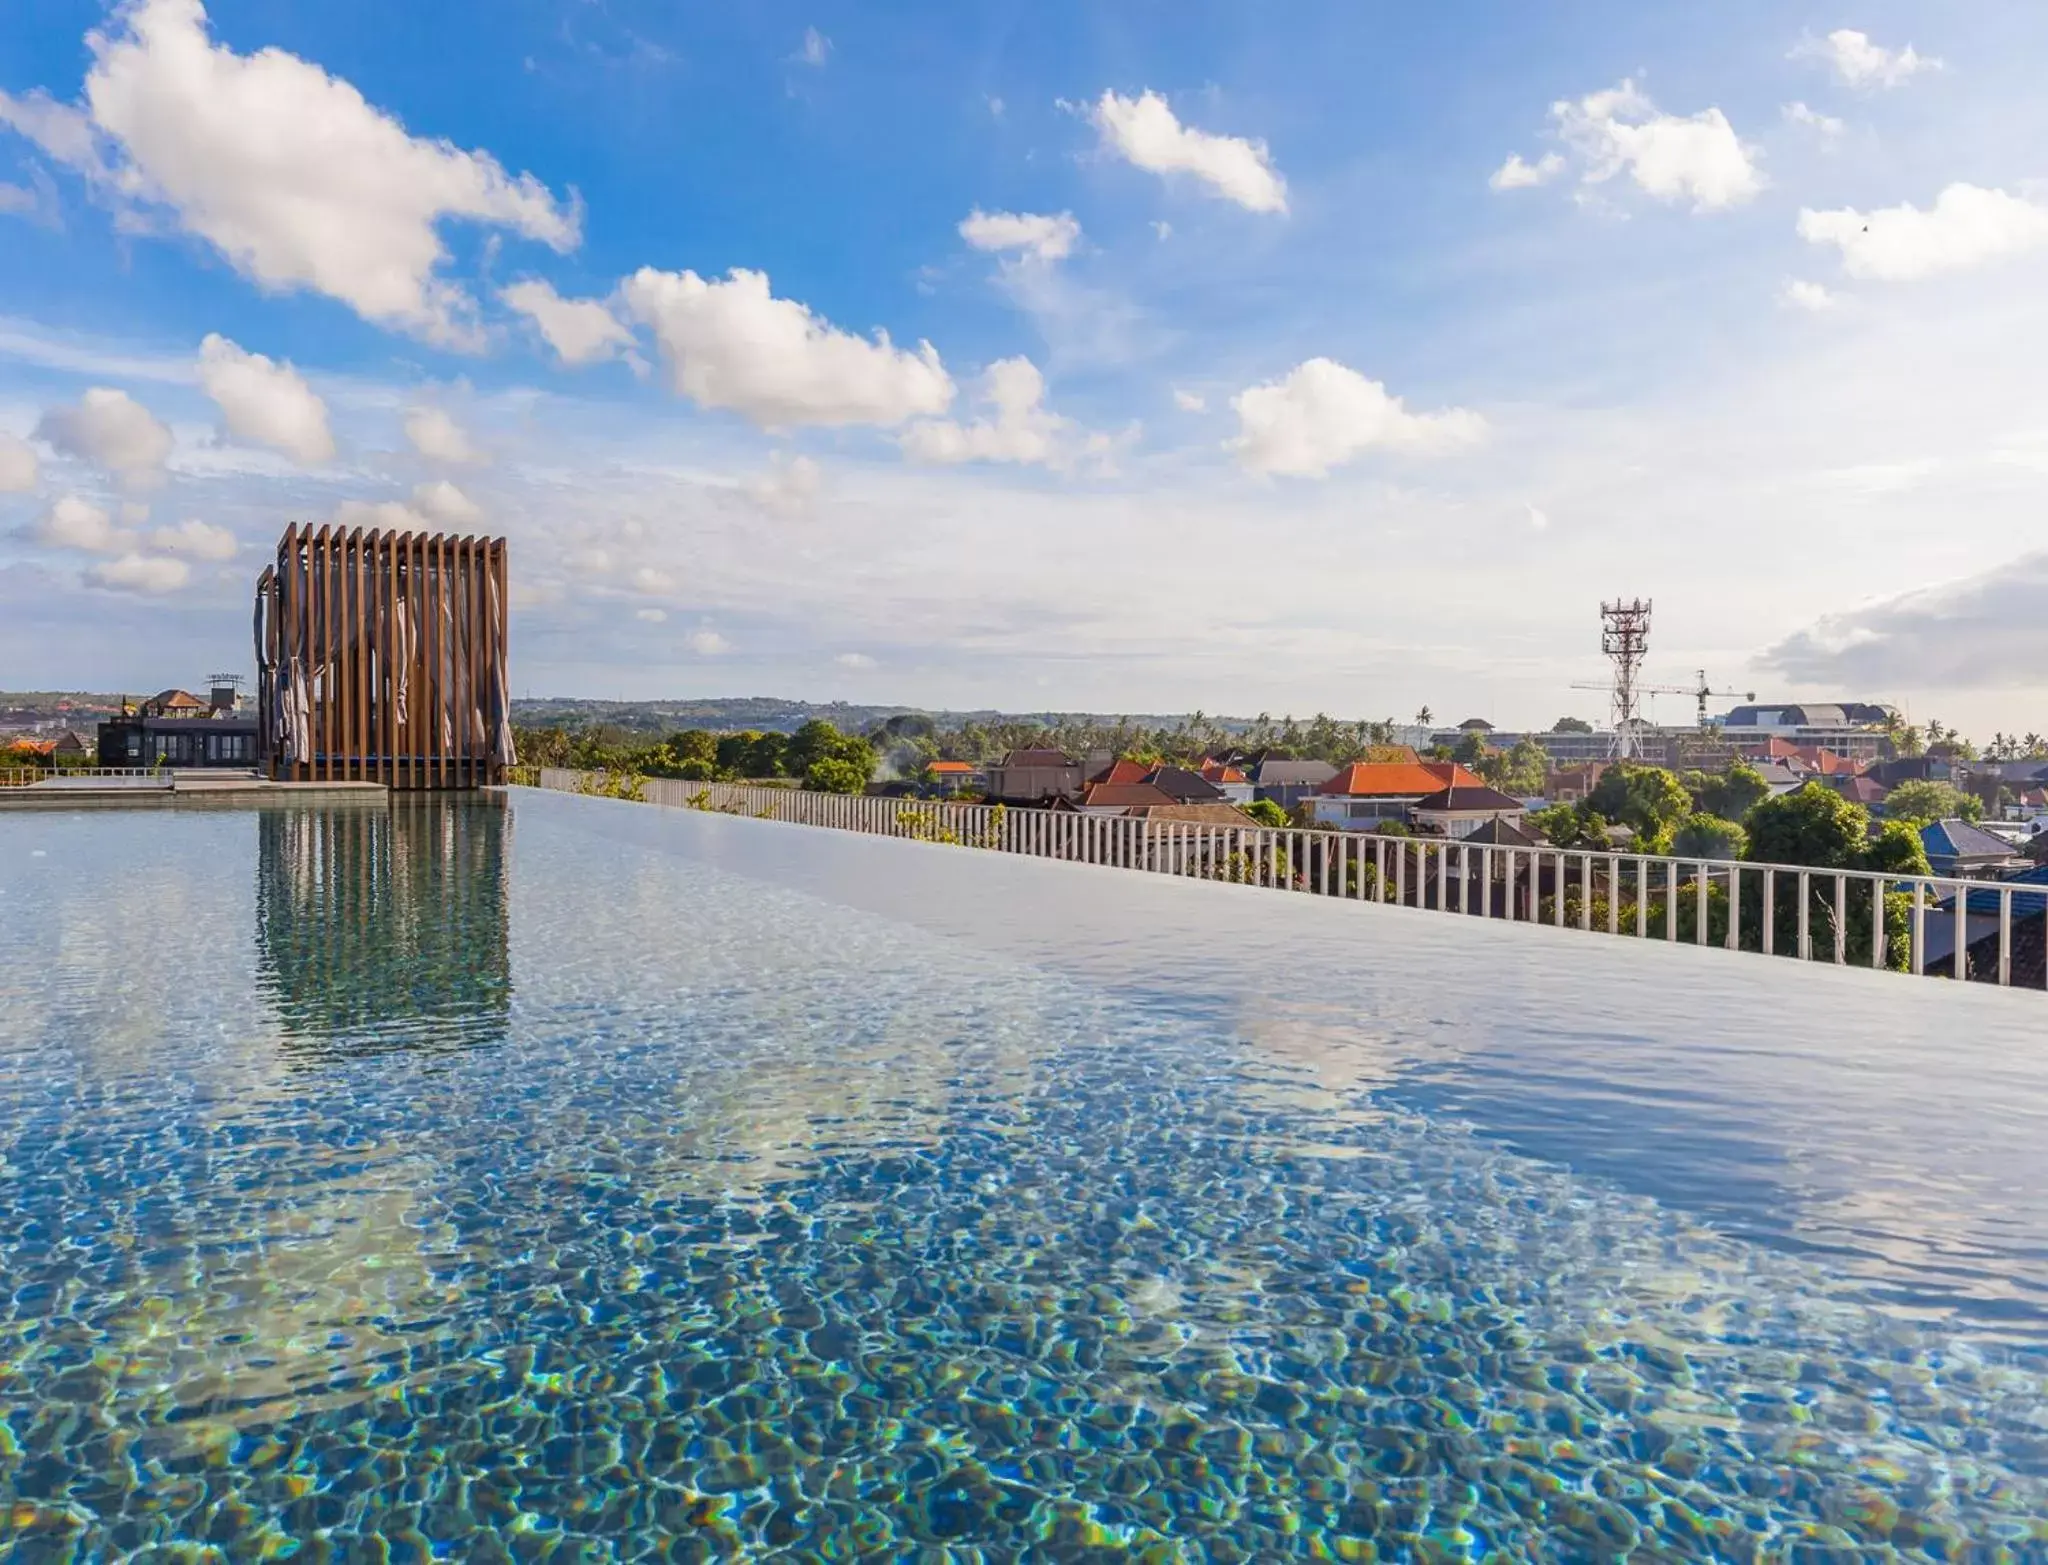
(1472, 749)
(1918, 802)
(1708, 837)
(1571, 725)
(832, 774)
(1423, 717)
(1266, 812)
(1649, 800)
(1811, 825)
(1519, 771)
(1571, 826)
(1733, 794)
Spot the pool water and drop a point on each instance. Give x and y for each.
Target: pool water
(551, 1178)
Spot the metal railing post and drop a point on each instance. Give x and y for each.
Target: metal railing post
(1961, 961)
(1734, 906)
(1919, 927)
(1770, 930)
(2005, 936)
(1805, 916)
(1703, 896)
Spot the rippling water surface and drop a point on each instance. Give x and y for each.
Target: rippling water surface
(579, 1180)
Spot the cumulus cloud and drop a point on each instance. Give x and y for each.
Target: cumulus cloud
(147, 573)
(854, 660)
(113, 432)
(1983, 632)
(1803, 295)
(651, 616)
(648, 579)
(437, 437)
(1189, 401)
(1696, 158)
(1144, 131)
(442, 503)
(383, 515)
(72, 523)
(580, 331)
(1826, 126)
(816, 48)
(289, 172)
(18, 466)
(267, 402)
(707, 643)
(1515, 174)
(200, 540)
(733, 344)
(1040, 236)
(1968, 226)
(1322, 414)
(1022, 430)
(1858, 62)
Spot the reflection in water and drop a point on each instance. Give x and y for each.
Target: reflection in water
(386, 929)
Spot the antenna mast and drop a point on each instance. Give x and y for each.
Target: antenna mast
(1625, 639)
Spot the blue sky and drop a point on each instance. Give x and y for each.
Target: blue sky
(1229, 360)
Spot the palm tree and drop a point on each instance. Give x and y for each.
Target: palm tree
(2033, 744)
(1423, 716)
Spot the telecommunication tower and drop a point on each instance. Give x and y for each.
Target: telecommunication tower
(1625, 639)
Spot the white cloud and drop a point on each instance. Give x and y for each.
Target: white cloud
(707, 643)
(1826, 125)
(1518, 175)
(72, 523)
(149, 573)
(732, 344)
(579, 330)
(1323, 414)
(1023, 430)
(201, 540)
(816, 49)
(18, 466)
(114, 432)
(791, 485)
(1967, 226)
(289, 172)
(1697, 158)
(437, 437)
(648, 579)
(384, 515)
(1040, 236)
(1144, 131)
(264, 401)
(1539, 519)
(1163, 229)
(1189, 401)
(1861, 63)
(854, 660)
(442, 503)
(1803, 295)
(651, 616)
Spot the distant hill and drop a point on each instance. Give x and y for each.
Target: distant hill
(771, 714)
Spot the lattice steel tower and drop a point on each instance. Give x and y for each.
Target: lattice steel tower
(1625, 638)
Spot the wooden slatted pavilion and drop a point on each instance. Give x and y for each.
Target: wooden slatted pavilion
(382, 659)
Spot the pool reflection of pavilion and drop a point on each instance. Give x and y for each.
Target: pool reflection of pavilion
(381, 929)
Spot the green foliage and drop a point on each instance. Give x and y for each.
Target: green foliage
(1266, 813)
(614, 785)
(837, 774)
(1571, 725)
(1558, 823)
(1472, 749)
(1919, 802)
(1519, 771)
(1732, 795)
(1392, 829)
(1649, 800)
(1897, 850)
(1701, 836)
(1811, 825)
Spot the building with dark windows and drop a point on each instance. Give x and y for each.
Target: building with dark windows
(174, 728)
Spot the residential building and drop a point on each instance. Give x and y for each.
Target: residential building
(1117, 798)
(1116, 770)
(1228, 780)
(1980, 929)
(1570, 784)
(175, 728)
(1033, 776)
(1861, 789)
(1462, 808)
(957, 776)
(1956, 847)
(1366, 794)
(1184, 786)
(1287, 783)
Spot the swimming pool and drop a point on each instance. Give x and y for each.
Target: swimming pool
(549, 1177)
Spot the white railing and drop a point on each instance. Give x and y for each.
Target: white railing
(1941, 926)
(61, 776)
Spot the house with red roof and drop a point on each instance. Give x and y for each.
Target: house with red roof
(1367, 794)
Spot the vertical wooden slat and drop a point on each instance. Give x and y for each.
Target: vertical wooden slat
(344, 662)
(359, 661)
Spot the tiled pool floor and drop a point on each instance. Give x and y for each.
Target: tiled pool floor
(585, 1181)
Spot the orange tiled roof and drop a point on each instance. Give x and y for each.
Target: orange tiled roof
(1398, 779)
(952, 768)
(1122, 773)
(1217, 772)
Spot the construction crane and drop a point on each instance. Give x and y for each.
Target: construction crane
(1701, 692)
